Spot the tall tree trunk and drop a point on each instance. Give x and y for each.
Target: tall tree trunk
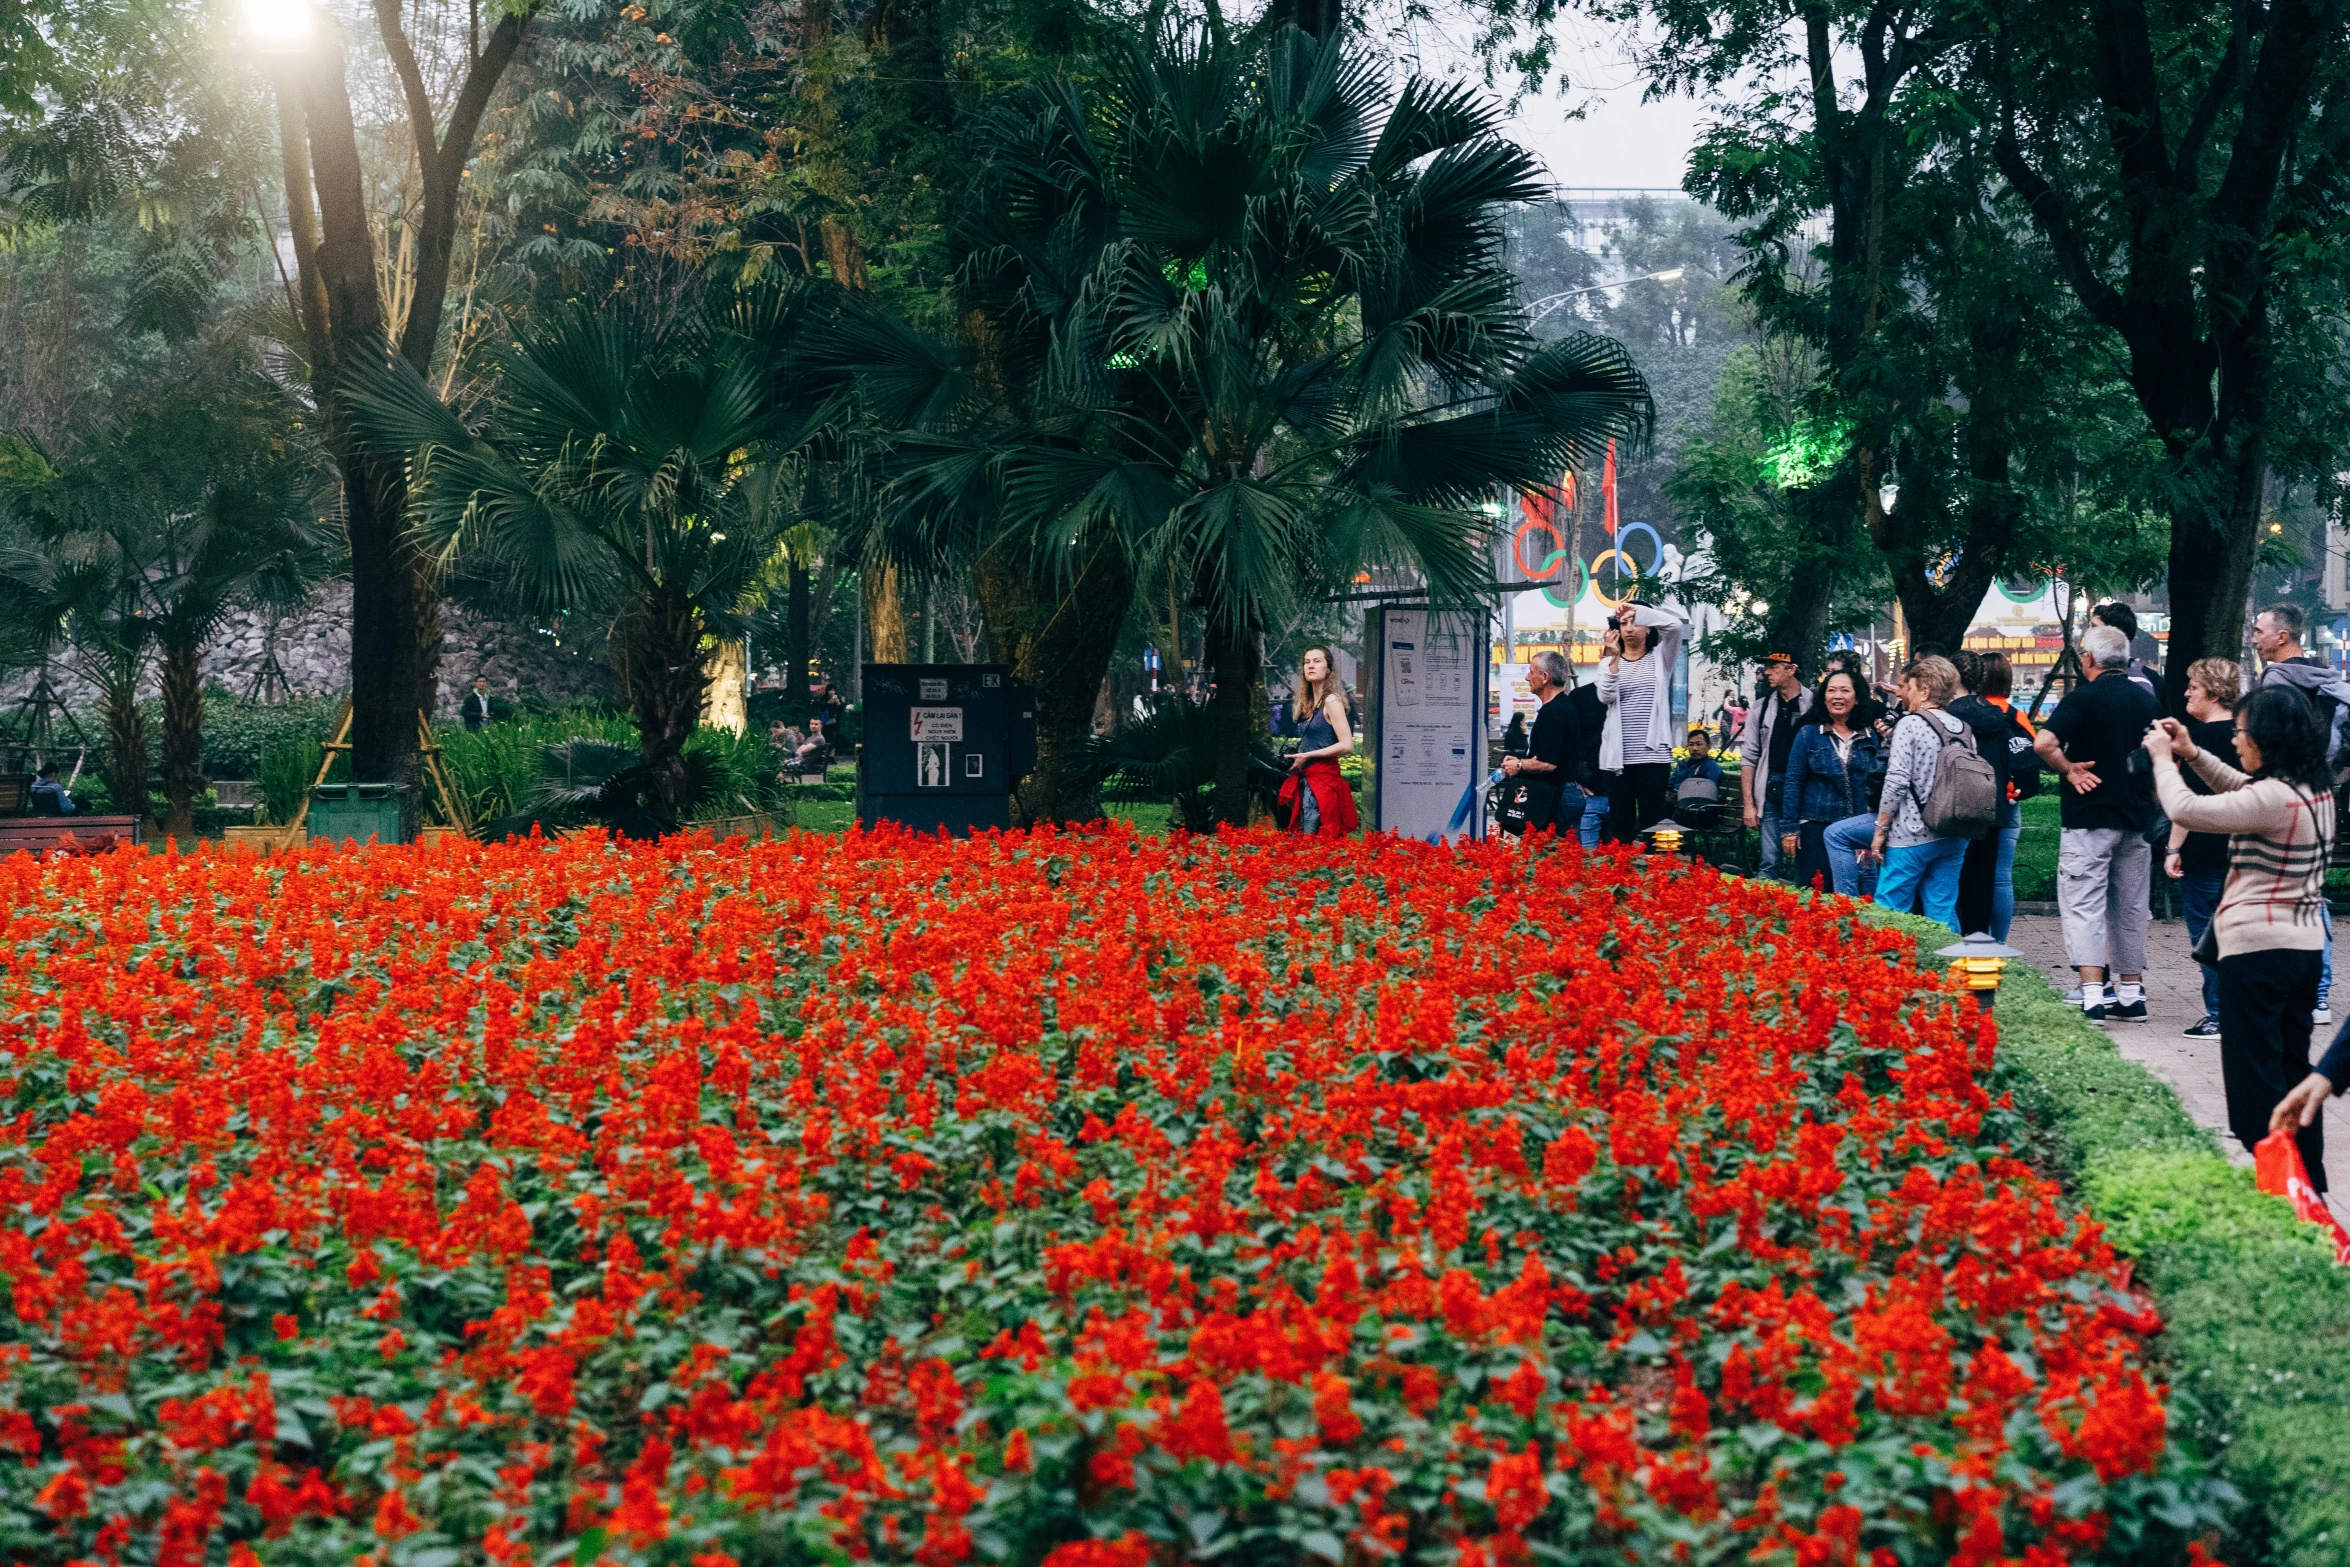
(441, 158)
(1826, 529)
(1240, 713)
(796, 638)
(1057, 640)
(385, 689)
(183, 738)
(885, 615)
(662, 647)
(2214, 538)
(126, 746)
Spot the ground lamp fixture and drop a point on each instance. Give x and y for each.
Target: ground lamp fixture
(1977, 961)
(1665, 837)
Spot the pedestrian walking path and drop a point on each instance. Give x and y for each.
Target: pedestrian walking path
(2174, 999)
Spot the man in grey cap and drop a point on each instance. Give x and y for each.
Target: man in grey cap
(1762, 755)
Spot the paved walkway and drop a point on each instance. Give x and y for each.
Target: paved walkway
(2174, 999)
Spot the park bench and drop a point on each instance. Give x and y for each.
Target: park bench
(16, 792)
(40, 835)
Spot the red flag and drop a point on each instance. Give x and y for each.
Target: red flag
(1607, 488)
(2277, 1170)
(1552, 502)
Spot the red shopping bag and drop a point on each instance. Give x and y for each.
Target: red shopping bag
(2278, 1170)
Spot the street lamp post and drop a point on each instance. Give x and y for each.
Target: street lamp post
(1544, 306)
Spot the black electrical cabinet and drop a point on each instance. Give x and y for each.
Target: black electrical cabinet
(944, 744)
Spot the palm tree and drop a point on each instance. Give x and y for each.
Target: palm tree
(142, 542)
(618, 467)
(1240, 327)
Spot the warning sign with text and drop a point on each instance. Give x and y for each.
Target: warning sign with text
(937, 723)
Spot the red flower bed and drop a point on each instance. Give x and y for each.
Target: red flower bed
(1074, 1201)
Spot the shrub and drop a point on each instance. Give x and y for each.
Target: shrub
(238, 733)
(496, 767)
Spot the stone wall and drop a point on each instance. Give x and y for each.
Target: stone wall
(313, 654)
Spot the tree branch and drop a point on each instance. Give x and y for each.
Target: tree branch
(444, 173)
(2274, 105)
(420, 115)
(2048, 205)
(473, 98)
(2132, 90)
(2220, 88)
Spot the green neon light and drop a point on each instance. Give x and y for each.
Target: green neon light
(1811, 451)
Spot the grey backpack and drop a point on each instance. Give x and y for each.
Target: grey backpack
(1964, 801)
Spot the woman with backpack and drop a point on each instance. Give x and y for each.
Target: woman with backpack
(1828, 773)
(1918, 861)
(1986, 881)
(2278, 813)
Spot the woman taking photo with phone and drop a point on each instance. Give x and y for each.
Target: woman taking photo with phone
(2278, 813)
(1636, 746)
(1316, 792)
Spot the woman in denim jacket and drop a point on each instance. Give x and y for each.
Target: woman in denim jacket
(1827, 791)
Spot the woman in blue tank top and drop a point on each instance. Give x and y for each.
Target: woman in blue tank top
(1316, 798)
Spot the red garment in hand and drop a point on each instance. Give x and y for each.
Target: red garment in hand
(1332, 798)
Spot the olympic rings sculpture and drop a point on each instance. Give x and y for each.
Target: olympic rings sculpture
(1553, 562)
(1549, 567)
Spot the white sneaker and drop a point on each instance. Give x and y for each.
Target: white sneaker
(2322, 1015)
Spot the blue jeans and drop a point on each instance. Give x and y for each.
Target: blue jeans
(2325, 968)
(2011, 827)
(2199, 899)
(1771, 861)
(1845, 840)
(1930, 869)
(1594, 818)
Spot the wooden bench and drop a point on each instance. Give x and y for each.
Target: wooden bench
(68, 834)
(16, 792)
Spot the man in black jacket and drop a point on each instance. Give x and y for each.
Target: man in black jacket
(1554, 798)
(475, 709)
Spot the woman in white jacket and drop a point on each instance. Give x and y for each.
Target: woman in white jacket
(1636, 684)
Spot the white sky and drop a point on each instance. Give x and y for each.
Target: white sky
(1619, 141)
(1597, 135)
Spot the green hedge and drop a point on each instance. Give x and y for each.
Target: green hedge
(2257, 1340)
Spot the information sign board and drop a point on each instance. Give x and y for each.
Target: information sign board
(1426, 712)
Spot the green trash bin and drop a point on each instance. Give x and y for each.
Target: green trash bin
(348, 815)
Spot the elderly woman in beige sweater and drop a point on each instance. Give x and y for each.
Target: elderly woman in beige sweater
(2278, 813)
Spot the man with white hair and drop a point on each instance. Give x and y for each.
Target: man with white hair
(1554, 795)
(2103, 862)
